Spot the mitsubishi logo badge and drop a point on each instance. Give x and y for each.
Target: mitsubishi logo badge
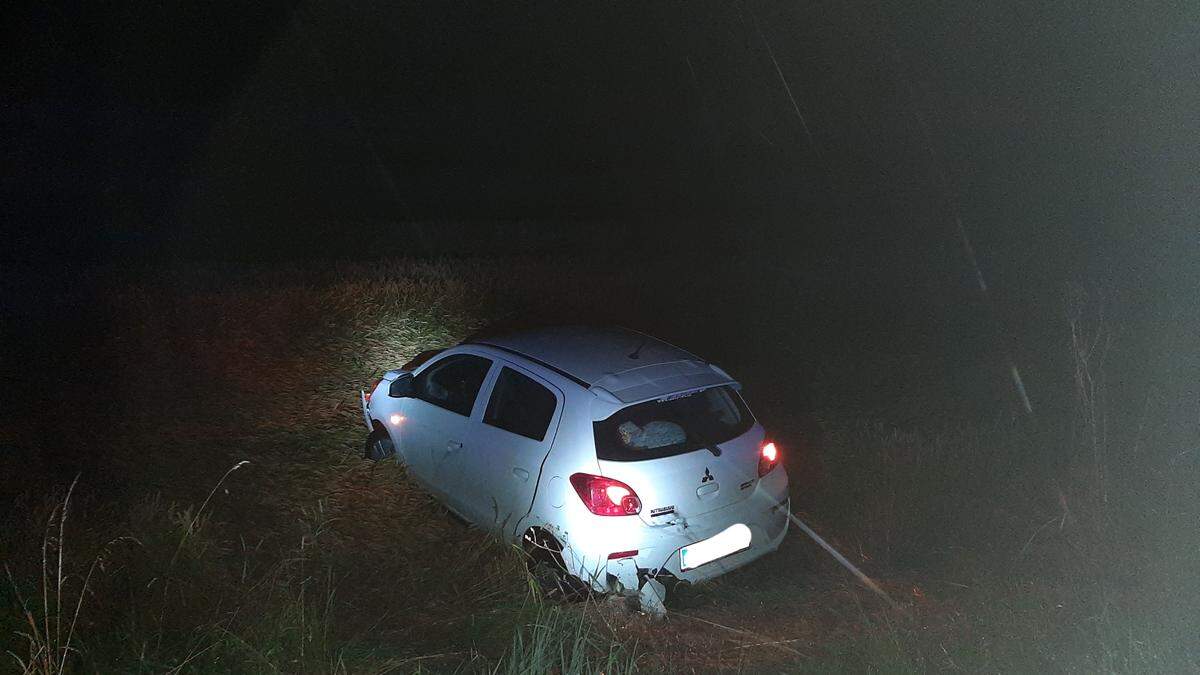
(707, 476)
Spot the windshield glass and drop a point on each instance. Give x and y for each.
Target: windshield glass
(672, 426)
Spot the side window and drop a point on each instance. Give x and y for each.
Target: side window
(520, 405)
(453, 382)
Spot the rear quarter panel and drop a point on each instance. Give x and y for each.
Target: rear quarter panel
(554, 503)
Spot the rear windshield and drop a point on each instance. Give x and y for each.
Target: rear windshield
(672, 427)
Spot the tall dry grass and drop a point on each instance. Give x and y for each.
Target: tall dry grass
(49, 629)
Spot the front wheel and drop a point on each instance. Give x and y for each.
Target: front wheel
(378, 446)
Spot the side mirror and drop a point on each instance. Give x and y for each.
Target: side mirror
(402, 387)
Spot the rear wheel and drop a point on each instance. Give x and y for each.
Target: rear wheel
(378, 446)
(543, 560)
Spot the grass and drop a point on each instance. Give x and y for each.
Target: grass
(1011, 546)
(49, 646)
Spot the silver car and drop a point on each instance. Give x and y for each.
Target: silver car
(610, 456)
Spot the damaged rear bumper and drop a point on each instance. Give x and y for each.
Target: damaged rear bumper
(658, 548)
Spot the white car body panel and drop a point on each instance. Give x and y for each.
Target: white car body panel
(501, 475)
(508, 483)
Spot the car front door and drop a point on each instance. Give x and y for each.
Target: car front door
(436, 420)
(507, 445)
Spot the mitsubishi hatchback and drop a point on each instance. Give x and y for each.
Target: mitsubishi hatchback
(609, 455)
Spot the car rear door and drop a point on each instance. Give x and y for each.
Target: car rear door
(507, 445)
(691, 484)
(714, 465)
(435, 427)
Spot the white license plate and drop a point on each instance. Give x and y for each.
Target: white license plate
(731, 540)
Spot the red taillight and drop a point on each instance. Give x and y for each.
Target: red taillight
(622, 554)
(606, 496)
(767, 459)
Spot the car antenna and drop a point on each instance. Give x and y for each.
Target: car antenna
(635, 354)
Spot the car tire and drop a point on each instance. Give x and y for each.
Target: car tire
(543, 561)
(378, 446)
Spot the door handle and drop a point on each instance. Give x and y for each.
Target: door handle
(453, 445)
(520, 473)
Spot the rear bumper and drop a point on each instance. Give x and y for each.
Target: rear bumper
(767, 533)
(765, 513)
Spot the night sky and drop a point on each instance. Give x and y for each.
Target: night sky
(1065, 135)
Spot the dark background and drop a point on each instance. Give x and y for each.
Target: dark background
(1065, 136)
(1065, 133)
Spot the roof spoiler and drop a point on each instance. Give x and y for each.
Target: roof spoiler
(606, 395)
(721, 371)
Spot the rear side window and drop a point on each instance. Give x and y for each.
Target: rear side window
(521, 405)
(672, 426)
(452, 383)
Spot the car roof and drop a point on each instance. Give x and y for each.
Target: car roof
(589, 354)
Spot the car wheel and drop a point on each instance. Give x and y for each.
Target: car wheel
(378, 446)
(544, 563)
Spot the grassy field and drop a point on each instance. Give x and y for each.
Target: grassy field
(223, 520)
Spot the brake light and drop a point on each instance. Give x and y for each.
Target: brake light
(622, 554)
(606, 496)
(767, 459)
